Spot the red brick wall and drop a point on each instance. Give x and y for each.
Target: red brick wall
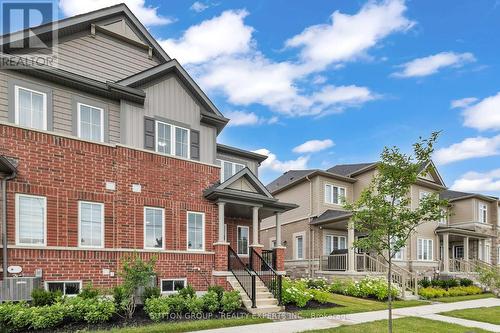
(68, 170)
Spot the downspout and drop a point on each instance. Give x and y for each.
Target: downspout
(311, 232)
(4, 223)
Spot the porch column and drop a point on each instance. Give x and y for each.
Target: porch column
(466, 248)
(221, 222)
(351, 257)
(446, 253)
(278, 229)
(255, 225)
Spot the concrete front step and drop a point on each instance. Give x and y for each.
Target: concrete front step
(265, 303)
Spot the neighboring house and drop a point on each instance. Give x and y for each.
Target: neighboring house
(319, 241)
(114, 153)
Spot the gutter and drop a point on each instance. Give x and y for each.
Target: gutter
(4, 223)
(311, 231)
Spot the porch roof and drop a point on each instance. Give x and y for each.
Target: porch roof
(331, 215)
(461, 232)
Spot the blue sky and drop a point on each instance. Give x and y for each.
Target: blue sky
(354, 75)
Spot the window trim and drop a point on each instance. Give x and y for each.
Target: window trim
(19, 195)
(162, 228)
(16, 106)
(480, 210)
(331, 195)
(173, 148)
(238, 244)
(432, 249)
(203, 231)
(338, 241)
(46, 286)
(80, 227)
(171, 279)
(78, 116)
(296, 248)
(233, 168)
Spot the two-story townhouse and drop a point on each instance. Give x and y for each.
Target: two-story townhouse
(112, 153)
(319, 239)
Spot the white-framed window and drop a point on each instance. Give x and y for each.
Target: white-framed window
(487, 253)
(444, 218)
(228, 169)
(334, 194)
(30, 108)
(169, 286)
(425, 249)
(243, 240)
(458, 251)
(90, 122)
(90, 224)
(67, 288)
(333, 242)
(172, 140)
(483, 213)
(154, 228)
(31, 220)
(299, 246)
(195, 231)
(398, 255)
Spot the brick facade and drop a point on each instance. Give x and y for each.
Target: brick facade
(67, 170)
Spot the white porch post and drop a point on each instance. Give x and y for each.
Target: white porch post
(350, 249)
(222, 238)
(278, 229)
(255, 225)
(446, 253)
(466, 248)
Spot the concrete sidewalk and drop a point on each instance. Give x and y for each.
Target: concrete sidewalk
(424, 311)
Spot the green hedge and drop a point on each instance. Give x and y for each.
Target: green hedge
(368, 287)
(433, 292)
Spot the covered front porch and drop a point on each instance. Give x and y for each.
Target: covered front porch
(462, 250)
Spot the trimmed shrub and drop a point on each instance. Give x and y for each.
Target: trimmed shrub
(47, 316)
(8, 310)
(295, 292)
(89, 291)
(120, 298)
(187, 292)
(424, 283)
(320, 295)
(368, 287)
(151, 292)
(218, 289)
(431, 292)
(194, 305)
(231, 301)
(99, 311)
(317, 283)
(42, 297)
(157, 308)
(464, 282)
(177, 303)
(211, 302)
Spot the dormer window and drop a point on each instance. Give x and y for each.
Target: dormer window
(483, 213)
(229, 169)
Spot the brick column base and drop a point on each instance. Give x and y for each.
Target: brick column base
(220, 250)
(258, 249)
(279, 252)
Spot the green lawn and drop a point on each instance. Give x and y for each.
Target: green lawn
(462, 298)
(353, 304)
(188, 326)
(488, 315)
(403, 325)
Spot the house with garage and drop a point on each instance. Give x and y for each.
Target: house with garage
(113, 152)
(319, 238)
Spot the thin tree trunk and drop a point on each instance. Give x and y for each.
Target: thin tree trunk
(389, 298)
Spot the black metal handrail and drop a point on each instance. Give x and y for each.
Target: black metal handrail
(267, 274)
(245, 277)
(269, 257)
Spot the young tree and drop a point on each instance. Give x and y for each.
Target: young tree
(384, 211)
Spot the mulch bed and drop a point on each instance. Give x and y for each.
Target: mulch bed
(311, 305)
(140, 318)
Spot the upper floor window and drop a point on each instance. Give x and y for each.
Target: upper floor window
(31, 220)
(423, 194)
(90, 122)
(483, 213)
(172, 140)
(444, 218)
(30, 108)
(196, 231)
(334, 194)
(153, 227)
(229, 169)
(91, 224)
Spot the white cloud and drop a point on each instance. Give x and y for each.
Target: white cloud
(463, 102)
(241, 118)
(147, 15)
(467, 149)
(199, 6)
(313, 146)
(222, 35)
(348, 37)
(478, 182)
(483, 115)
(432, 64)
(272, 162)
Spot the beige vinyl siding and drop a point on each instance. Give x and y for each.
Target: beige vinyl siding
(319, 190)
(168, 99)
(250, 164)
(362, 181)
(462, 211)
(242, 185)
(62, 101)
